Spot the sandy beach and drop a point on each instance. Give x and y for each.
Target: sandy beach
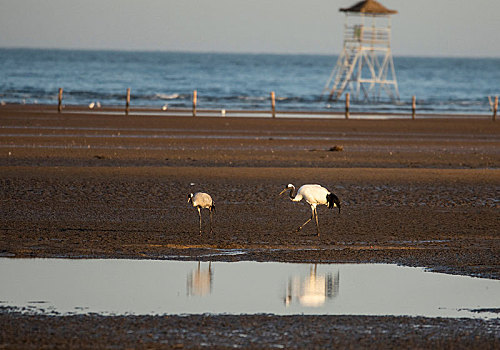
(419, 192)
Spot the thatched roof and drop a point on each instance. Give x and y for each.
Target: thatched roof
(369, 6)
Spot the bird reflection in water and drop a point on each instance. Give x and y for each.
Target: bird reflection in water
(199, 281)
(313, 290)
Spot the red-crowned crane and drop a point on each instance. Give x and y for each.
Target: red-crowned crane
(202, 200)
(313, 195)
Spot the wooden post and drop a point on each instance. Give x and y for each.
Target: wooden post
(195, 95)
(347, 106)
(413, 107)
(273, 104)
(59, 105)
(127, 102)
(495, 108)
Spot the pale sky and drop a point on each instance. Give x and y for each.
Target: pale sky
(422, 28)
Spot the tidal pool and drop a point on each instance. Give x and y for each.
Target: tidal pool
(155, 287)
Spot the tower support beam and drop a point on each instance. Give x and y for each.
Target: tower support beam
(365, 67)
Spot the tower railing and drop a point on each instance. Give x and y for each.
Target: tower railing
(367, 35)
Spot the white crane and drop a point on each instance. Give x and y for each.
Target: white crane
(313, 195)
(202, 200)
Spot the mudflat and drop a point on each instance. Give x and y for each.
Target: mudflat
(422, 192)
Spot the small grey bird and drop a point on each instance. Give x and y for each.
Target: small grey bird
(202, 200)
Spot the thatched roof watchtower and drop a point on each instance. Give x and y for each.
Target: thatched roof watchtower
(369, 6)
(365, 64)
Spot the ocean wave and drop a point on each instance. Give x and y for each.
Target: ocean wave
(248, 98)
(166, 96)
(227, 81)
(244, 102)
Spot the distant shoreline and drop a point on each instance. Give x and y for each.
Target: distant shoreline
(260, 113)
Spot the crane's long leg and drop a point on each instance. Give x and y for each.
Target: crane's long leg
(317, 224)
(211, 220)
(304, 224)
(199, 213)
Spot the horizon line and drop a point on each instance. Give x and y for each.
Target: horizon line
(223, 52)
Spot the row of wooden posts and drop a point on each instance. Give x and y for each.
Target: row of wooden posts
(273, 104)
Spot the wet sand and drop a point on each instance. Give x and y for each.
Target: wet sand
(417, 193)
(248, 331)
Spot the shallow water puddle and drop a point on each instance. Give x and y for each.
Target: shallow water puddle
(185, 287)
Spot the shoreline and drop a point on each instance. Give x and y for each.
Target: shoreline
(117, 110)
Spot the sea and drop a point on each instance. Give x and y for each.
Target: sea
(236, 81)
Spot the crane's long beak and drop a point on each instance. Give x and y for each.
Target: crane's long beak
(286, 189)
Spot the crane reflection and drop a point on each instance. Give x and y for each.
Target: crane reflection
(199, 281)
(313, 290)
